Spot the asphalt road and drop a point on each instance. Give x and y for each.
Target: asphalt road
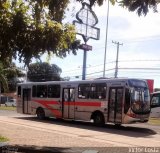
(66, 136)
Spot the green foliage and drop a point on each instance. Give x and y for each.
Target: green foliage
(3, 79)
(98, 2)
(33, 27)
(141, 6)
(9, 77)
(38, 72)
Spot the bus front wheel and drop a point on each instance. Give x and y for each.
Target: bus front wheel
(98, 119)
(40, 113)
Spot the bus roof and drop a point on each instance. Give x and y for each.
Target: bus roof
(81, 81)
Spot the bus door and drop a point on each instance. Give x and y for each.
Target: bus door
(68, 103)
(26, 101)
(115, 105)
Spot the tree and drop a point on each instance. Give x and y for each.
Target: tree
(141, 6)
(13, 75)
(9, 77)
(3, 80)
(43, 72)
(29, 28)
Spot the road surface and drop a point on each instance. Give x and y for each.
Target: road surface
(52, 134)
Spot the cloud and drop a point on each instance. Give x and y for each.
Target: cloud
(140, 37)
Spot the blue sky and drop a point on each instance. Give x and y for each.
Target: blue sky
(141, 45)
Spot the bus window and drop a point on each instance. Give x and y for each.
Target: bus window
(19, 91)
(98, 91)
(155, 101)
(72, 94)
(34, 91)
(83, 91)
(54, 91)
(42, 91)
(127, 101)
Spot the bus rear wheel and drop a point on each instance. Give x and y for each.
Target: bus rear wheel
(40, 114)
(98, 119)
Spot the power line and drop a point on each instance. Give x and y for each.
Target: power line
(134, 68)
(93, 66)
(89, 67)
(121, 71)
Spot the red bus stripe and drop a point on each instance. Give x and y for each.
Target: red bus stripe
(77, 103)
(56, 113)
(83, 103)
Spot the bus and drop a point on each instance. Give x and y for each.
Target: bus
(117, 101)
(155, 105)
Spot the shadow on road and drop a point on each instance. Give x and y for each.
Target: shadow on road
(31, 149)
(37, 149)
(131, 130)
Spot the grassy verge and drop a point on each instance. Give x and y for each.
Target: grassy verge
(155, 121)
(7, 108)
(3, 139)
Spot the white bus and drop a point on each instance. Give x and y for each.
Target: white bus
(118, 101)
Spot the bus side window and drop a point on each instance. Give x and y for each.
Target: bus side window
(72, 94)
(54, 91)
(34, 91)
(98, 91)
(19, 91)
(127, 101)
(42, 91)
(83, 91)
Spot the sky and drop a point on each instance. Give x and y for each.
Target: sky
(139, 56)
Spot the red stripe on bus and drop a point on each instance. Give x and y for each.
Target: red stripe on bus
(77, 103)
(48, 102)
(59, 113)
(56, 113)
(132, 115)
(83, 103)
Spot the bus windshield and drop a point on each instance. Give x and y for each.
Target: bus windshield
(140, 98)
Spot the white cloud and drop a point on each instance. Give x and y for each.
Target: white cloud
(140, 37)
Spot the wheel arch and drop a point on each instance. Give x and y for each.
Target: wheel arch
(95, 113)
(40, 112)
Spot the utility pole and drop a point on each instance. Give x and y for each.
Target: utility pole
(106, 43)
(116, 68)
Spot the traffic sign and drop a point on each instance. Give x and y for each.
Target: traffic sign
(85, 47)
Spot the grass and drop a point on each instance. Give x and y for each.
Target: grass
(3, 139)
(8, 108)
(155, 121)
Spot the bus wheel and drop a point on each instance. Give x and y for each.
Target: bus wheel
(40, 113)
(98, 119)
(117, 125)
